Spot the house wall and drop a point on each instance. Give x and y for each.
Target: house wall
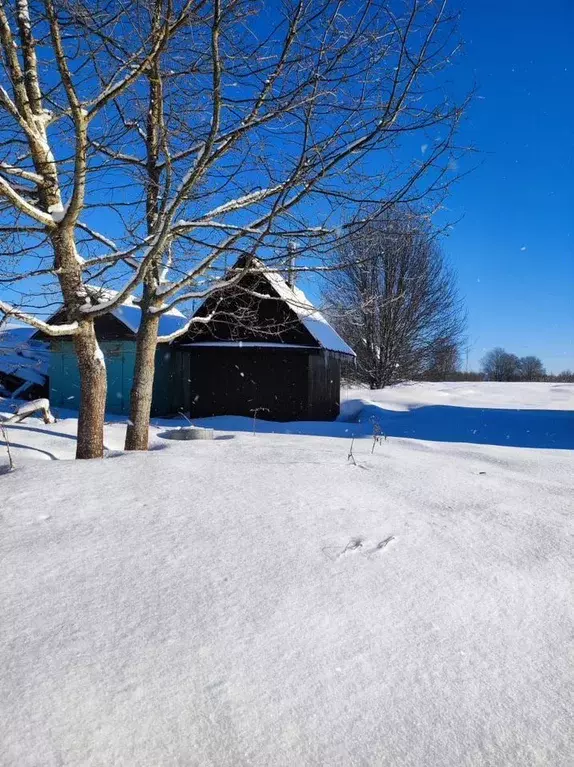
(120, 358)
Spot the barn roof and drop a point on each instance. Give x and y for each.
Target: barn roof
(324, 333)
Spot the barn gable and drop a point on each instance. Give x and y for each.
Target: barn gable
(262, 309)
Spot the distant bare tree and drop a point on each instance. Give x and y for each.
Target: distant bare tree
(531, 369)
(500, 365)
(444, 360)
(464, 375)
(394, 299)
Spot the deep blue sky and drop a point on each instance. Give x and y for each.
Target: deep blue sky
(514, 247)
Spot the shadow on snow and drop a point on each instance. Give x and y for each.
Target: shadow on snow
(549, 429)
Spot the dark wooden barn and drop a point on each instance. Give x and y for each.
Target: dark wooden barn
(265, 350)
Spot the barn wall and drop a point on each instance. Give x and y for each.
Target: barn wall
(64, 376)
(231, 381)
(181, 383)
(324, 387)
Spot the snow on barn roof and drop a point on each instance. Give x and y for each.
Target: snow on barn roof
(24, 369)
(130, 314)
(325, 335)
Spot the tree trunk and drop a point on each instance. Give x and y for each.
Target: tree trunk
(91, 364)
(93, 389)
(137, 434)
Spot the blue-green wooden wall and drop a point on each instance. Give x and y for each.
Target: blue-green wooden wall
(120, 358)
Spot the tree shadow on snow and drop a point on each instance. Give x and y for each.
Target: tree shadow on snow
(547, 429)
(47, 431)
(20, 446)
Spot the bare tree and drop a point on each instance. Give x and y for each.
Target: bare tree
(443, 359)
(200, 130)
(394, 299)
(53, 94)
(500, 365)
(531, 369)
(565, 376)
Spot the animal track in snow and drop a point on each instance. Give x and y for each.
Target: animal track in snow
(357, 545)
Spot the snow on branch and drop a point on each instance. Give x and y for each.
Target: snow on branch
(181, 331)
(50, 330)
(98, 236)
(22, 173)
(41, 406)
(8, 191)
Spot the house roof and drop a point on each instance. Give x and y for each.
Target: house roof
(129, 312)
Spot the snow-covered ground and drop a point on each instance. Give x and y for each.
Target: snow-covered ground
(261, 600)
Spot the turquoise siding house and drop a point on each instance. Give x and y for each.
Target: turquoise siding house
(119, 355)
(116, 334)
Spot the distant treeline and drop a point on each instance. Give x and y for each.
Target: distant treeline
(566, 376)
(500, 365)
(497, 365)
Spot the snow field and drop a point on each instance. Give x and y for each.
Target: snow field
(258, 600)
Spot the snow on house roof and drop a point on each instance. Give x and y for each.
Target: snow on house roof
(130, 315)
(129, 312)
(325, 335)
